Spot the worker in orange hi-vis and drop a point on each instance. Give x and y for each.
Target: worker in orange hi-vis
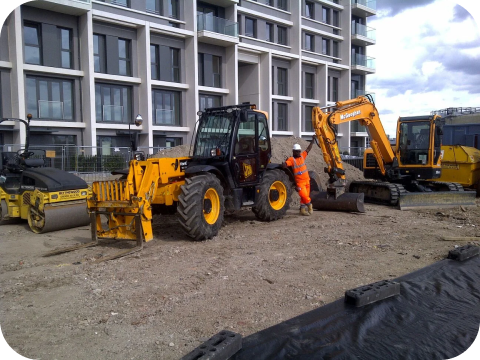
(302, 179)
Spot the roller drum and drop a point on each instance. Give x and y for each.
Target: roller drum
(59, 217)
(351, 202)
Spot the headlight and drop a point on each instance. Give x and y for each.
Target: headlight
(55, 196)
(213, 152)
(83, 193)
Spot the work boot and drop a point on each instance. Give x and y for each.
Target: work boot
(304, 211)
(310, 208)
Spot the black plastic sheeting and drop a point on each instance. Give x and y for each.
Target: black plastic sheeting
(436, 316)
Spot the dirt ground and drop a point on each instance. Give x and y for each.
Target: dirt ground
(166, 300)
(163, 302)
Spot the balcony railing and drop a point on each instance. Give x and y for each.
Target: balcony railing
(372, 4)
(208, 22)
(363, 30)
(113, 113)
(164, 117)
(363, 60)
(50, 109)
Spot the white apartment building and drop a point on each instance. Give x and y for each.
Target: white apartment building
(85, 68)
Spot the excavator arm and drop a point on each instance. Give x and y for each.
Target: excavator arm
(365, 112)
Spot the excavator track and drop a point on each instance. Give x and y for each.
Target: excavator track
(383, 193)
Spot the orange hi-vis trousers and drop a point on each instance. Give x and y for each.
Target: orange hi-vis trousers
(303, 188)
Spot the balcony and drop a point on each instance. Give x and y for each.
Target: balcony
(364, 8)
(363, 35)
(216, 31)
(70, 7)
(362, 64)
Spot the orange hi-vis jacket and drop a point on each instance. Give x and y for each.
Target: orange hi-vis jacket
(299, 167)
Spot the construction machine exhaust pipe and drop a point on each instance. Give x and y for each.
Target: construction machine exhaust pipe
(352, 202)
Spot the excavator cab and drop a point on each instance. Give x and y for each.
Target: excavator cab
(419, 146)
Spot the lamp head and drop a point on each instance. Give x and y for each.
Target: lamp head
(138, 120)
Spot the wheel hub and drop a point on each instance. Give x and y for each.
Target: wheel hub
(274, 195)
(207, 206)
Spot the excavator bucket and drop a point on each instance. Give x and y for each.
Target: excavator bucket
(351, 202)
(436, 199)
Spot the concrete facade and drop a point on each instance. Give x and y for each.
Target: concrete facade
(86, 74)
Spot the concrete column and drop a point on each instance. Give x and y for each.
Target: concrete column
(231, 80)
(265, 75)
(191, 70)
(85, 33)
(296, 104)
(322, 84)
(15, 33)
(144, 89)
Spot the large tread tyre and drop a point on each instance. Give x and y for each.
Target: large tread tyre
(274, 197)
(201, 206)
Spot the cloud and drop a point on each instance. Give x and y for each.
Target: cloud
(394, 7)
(460, 14)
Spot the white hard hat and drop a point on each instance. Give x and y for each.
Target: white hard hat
(297, 147)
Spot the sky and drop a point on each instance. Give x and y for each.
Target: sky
(427, 57)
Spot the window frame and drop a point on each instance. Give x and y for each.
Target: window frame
(309, 89)
(173, 9)
(39, 46)
(310, 10)
(282, 81)
(158, 7)
(308, 118)
(270, 31)
(70, 47)
(175, 98)
(209, 96)
(281, 123)
(49, 81)
(127, 59)
(126, 117)
(282, 5)
(253, 21)
(312, 42)
(326, 18)
(325, 46)
(155, 65)
(282, 35)
(102, 59)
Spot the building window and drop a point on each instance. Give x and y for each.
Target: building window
(113, 103)
(210, 67)
(269, 32)
(33, 47)
(49, 98)
(326, 15)
(154, 62)
(124, 63)
(166, 107)
(332, 89)
(309, 85)
(282, 82)
(250, 27)
(282, 4)
(280, 120)
(66, 48)
(48, 139)
(162, 142)
(309, 42)
(282, 35)
(268, 2)
(120, 3)
(209, 101)
(99, 57)
(307, 126)
(173, 9)
(154, 6)
(336, 19)
(309, 9)
(335, 49)
(325, 46)
(165, 63)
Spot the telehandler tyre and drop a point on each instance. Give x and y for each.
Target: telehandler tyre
(275, 196)
(201, 206)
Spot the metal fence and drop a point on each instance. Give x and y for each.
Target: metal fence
(91, 163)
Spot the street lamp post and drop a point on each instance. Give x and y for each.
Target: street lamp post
(133, 145)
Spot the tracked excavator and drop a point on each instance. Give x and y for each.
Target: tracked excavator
(50, 199)
(229, 169)
(404, 175)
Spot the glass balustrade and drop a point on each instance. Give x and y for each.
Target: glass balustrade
(208, 22)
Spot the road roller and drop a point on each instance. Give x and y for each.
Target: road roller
(49, 199)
